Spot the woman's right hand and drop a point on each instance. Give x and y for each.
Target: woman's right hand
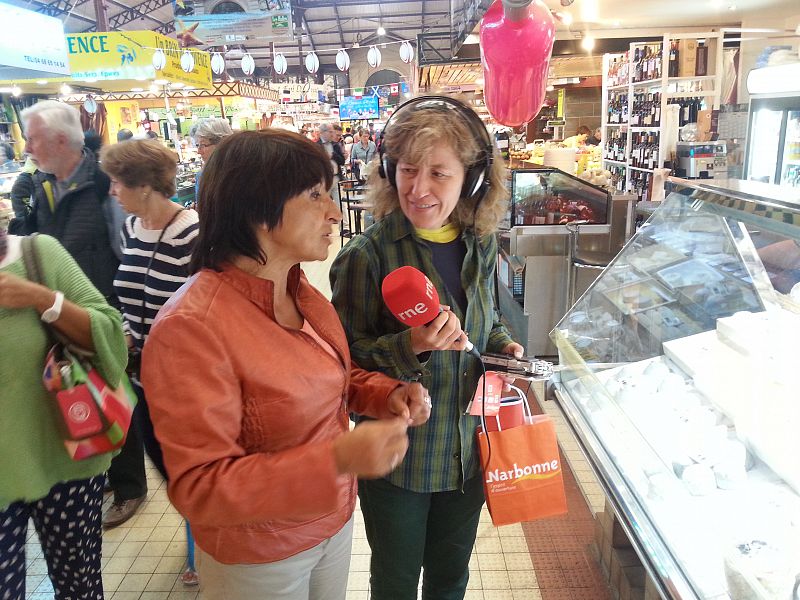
(373, 448)
(443, 333)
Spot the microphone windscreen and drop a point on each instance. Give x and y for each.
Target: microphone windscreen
(410, 296)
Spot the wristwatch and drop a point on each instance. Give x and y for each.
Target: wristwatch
(52, 313)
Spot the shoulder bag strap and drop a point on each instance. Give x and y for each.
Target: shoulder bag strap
(30, 257)
(150, 266)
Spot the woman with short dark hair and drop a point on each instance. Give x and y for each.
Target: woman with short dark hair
(254, 360)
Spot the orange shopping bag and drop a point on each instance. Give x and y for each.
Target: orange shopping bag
(522, 475)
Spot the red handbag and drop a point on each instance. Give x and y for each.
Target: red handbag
(93, 417)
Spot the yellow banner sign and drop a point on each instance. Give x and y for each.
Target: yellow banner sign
(128, 55)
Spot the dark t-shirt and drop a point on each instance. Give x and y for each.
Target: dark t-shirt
(448, 258)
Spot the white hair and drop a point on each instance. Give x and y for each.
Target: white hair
(213, 129)
(58, 117)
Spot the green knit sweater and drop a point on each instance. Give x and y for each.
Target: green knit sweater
(32, 454)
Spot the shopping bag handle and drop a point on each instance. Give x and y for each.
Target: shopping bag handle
(523, 396)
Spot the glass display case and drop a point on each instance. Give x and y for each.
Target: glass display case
(548, 196)
(677, 376)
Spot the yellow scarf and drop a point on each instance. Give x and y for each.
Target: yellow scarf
(445, 234)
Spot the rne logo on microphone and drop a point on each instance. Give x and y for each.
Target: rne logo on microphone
(418, 309)
(429, 289)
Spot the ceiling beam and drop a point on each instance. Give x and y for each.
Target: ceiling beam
(409, 27)
(338, 23)
(166, 28)
(308, 31)
(61, 7)
(311, 4)
(386, 18)
(134, 12)
(143, 12)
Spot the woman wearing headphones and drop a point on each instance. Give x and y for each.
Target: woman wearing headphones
(439, 195)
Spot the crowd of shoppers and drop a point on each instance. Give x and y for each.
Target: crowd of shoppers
(224, 332)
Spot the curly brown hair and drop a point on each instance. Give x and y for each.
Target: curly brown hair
(410, 138)
(141, 162)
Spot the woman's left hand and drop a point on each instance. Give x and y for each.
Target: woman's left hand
(16, 292)
(517, 351)
(411, 401)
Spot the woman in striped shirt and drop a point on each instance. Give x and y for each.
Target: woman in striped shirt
(157, 239)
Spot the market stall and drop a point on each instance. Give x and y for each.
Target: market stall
(120, 62)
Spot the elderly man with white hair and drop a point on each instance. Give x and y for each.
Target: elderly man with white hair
(330, 137)
(71, 203)
(70, 195)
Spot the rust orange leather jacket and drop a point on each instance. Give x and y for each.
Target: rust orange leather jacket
(246, 412)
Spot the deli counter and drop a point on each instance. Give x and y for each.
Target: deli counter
(676, 375)
(534, 264)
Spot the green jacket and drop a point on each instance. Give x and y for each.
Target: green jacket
(442, 453)
(33, 455)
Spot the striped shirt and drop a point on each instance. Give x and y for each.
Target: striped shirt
(442, 454)
(169, 271)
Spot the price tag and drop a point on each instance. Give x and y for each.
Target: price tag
(494, 390)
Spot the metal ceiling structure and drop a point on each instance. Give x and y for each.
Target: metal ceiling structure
(320, 25)
(326, 25)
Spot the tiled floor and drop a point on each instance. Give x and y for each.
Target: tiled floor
(543, 560)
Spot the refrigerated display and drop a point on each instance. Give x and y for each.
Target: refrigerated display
(677, 375)
(790, 169)
(533, 266)
(773, 140)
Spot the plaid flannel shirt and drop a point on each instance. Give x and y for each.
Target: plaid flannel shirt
(442, 453)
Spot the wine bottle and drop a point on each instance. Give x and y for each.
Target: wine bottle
(701, 64)
(673, 59)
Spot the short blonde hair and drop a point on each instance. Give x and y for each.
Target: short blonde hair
(410, 138)
(141, 162)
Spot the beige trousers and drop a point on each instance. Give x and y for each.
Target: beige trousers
(319, 573)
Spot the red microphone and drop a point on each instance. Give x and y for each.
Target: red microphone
(412, 299)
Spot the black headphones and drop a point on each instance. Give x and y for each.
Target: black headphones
(477, 177)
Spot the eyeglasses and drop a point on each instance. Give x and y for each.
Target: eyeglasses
(205, 145)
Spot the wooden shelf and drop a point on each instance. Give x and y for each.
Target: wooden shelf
(696, 78)
(649, 83)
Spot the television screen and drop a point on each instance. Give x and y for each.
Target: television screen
(365, 107)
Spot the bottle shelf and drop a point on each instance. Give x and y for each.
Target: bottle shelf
(649, 83)
(701, 94)
(695, 78)
(644, 98)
